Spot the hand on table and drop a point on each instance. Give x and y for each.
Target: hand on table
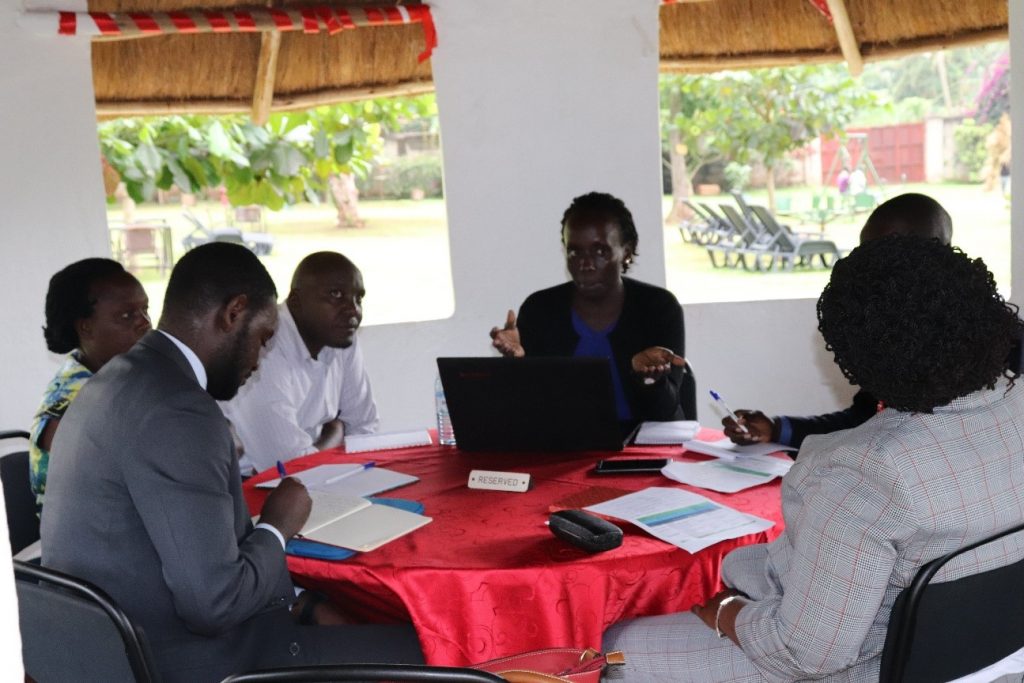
(655, 362)
(759, 427)
(332, 434)
(287, 507)
(506, 339)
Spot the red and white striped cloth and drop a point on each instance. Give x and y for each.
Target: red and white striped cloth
(312, 19)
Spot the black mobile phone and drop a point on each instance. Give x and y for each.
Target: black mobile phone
(628, 465)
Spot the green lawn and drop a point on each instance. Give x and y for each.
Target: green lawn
(403, 250)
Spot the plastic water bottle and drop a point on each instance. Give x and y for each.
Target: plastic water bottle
(445, 433)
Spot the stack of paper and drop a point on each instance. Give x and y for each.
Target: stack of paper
(727, 450)
(349, 479)
(356, 523)
(729, 476)
(666, 433)
(682, 518)
(386, 441)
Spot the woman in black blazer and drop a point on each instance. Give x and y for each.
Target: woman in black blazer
(637, 326)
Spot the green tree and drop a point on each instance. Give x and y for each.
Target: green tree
(767, 113)
(685, 103)
(293, 157)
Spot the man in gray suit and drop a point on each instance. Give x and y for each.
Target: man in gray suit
(922, 327)
(145, 498)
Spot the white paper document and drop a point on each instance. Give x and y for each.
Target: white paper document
(682, 518)
(728, 476)
(349, 479)
(666, 433)
(727, 450)
(318, 476)
(386, 441)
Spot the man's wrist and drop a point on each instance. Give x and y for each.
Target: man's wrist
(274, 530)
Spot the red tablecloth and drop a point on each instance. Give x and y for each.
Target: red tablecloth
(486, 578)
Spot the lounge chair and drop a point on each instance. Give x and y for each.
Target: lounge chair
(259, 243)
(749, 242)
(792, 249)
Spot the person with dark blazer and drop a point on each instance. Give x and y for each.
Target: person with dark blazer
(145, 500)
(910, 214)
(637, 326)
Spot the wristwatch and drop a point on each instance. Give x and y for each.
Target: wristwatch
(718, 614)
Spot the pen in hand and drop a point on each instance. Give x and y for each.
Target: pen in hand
(721, 401)
(281, 471)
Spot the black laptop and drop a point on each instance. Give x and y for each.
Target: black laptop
(531, 404)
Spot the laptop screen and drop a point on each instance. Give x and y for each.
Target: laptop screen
(531, 404)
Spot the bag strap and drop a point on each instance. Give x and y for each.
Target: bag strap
(531, 677)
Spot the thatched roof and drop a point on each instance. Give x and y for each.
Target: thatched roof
(220, 72)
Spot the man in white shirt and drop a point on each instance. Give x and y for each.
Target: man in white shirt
(312, 387)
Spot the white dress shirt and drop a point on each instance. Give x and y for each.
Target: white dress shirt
(279, 412)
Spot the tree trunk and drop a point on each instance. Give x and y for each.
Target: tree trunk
(682, 189)
(346, 199)
(770, 181)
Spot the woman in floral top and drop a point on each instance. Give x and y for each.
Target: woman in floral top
(94, 311)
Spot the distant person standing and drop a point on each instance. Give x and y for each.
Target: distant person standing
(1004, 178)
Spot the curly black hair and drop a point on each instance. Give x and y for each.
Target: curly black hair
(604, 204)
(917, 323)
(69, 299)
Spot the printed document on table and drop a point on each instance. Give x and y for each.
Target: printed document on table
(728, 476)
(386, 441)
(670, 433)
(683, 518)
(727, 450)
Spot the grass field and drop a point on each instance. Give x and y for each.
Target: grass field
(403, 250)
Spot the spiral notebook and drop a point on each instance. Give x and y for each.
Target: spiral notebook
(386, 441)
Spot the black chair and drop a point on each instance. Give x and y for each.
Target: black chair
(73, 631)
(19, 501)
(942, 631)
(366, 672)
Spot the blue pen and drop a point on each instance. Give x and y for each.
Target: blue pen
(281, 471)
(368, 465)
(721, 401)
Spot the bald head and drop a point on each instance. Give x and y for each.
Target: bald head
(319, 264)
(910, 214)
(326, 301)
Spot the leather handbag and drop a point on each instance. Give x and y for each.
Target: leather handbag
(554, 665)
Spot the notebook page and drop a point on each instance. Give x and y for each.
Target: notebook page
(369, 528)
(328, 507)
(360, 443)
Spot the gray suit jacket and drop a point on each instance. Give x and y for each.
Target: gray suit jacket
(144, 500)
(865, 508)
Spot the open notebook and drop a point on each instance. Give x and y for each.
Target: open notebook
(356, 523)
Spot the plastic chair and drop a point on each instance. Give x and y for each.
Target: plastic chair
(19, 501)
(73, 631)
(941, 631)
(367, 672)
(792, 248)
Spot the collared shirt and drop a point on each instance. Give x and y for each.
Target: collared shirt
(279, 412)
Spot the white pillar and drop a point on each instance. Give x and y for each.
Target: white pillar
(53, 209)
(539, 102)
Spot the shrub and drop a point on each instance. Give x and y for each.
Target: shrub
(398, 178)
(737, 176)
(969, 142)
